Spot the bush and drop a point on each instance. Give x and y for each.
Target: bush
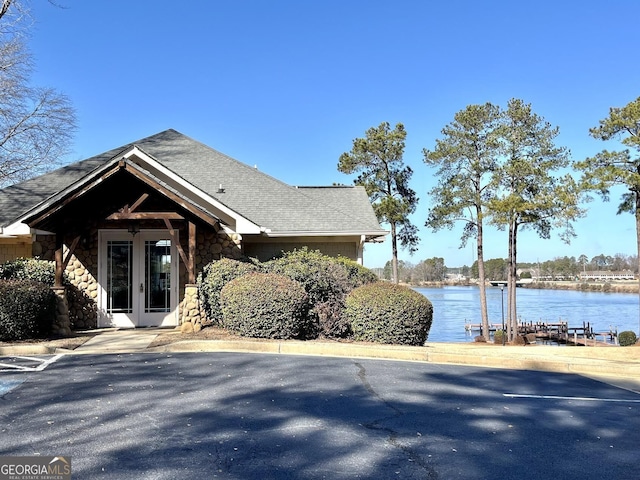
(29, 269)
(357, 275)
(265, 305)
(27, 309)
(627, 338)
(387, 313)
(214, 277)
(325, 280)
(321, 276)
(499, 336)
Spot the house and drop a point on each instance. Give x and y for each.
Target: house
(132, 227)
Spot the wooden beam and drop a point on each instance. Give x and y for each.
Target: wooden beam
(138, 202)
(145, 216)
(59, 261)
(78, 193)
(172, 196)
(175, 241)
(192, 253)
(72, 248)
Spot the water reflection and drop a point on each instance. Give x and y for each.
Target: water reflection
(454, 305)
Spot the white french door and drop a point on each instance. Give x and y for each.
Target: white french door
(138, 279)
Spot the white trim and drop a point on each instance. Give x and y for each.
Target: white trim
(377, 234)
(360, 249)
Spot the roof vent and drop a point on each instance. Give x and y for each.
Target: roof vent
(220, 189)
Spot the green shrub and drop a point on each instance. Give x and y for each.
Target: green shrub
(27, 309)
(214, 277)
(627, 338)
(387, 313)
(322, 277)
(498, 336)
(357, 275)
(265, 305)
(325, 280)
(29, 269)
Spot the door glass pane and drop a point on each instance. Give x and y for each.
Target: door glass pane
(119, 276)
(157, 276)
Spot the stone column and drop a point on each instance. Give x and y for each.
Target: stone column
(62, 324)
(191, 319)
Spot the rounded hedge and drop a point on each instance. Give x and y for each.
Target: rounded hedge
(214, 277)
(388, 313)
(326, 281)
(27, 309)
(627, 338)
(29, 269)
(322, 277)
(357, 275)
(265, 305)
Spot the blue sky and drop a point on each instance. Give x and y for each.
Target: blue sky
(287, 85)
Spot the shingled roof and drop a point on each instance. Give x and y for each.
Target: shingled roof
(259, 198)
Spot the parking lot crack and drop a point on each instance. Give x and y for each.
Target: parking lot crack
(393, 439)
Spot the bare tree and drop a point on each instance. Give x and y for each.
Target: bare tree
(36, 123)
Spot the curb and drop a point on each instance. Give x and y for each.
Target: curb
(438, 354)
(581, 366)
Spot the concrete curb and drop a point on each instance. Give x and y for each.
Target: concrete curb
(498, 359)
(578, 361)
(28, 350)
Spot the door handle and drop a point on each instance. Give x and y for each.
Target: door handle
(141, 287)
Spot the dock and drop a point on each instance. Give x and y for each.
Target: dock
(557, 332)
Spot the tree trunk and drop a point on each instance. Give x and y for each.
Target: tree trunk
(481, 283)
(637, 195)
(512, 277)
(513, 271)
(509, 331)
(394, 252)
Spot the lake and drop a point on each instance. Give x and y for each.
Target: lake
(453, 306)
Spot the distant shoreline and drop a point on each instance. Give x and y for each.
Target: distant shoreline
(604, 287)
(630, 286)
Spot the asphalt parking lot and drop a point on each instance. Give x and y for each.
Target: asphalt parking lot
(252, 416)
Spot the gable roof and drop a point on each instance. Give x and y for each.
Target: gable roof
(275, 207)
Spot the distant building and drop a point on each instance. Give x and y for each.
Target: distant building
(605, 276)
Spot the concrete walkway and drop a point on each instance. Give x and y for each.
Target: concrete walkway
(117, 341)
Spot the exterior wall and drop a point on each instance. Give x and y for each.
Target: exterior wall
(11, 248)
(264, 251)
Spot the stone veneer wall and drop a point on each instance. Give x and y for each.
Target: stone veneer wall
(81, 283)
(210, 246)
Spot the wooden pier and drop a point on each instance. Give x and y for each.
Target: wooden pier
(557, 332)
